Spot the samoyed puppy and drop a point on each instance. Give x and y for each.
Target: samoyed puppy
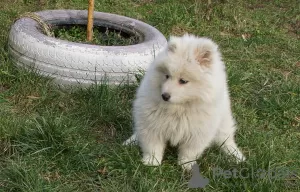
(183, 99)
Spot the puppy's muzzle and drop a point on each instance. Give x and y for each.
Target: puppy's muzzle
(166, 96)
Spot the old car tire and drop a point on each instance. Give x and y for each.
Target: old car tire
(72, 63)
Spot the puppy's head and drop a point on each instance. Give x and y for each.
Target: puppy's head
(185, 69)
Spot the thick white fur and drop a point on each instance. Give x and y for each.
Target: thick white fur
(198, 112)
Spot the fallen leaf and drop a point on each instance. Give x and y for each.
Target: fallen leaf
(102, 171)
(33, 97)
(246, 36)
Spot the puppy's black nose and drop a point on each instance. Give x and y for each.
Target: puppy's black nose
(166, 96)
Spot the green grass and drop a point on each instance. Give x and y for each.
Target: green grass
(101, 36)
(70, 140)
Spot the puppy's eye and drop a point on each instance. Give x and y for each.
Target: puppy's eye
(182, 81)
(167, 76)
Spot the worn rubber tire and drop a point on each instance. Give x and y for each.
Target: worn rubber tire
(71, 63)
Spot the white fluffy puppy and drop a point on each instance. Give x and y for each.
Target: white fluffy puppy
(183, 99)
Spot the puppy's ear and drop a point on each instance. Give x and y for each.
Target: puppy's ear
(171, 47)
(204, 52)
(172, 44)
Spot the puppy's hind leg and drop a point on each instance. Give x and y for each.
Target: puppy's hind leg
(131, 140)
(225, 139)
(230, 147)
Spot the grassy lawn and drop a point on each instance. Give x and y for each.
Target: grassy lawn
(63, 140)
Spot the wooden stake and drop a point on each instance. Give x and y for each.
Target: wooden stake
(90, 20)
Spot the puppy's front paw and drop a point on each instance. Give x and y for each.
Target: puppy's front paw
(151, 160)
(186, 165)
